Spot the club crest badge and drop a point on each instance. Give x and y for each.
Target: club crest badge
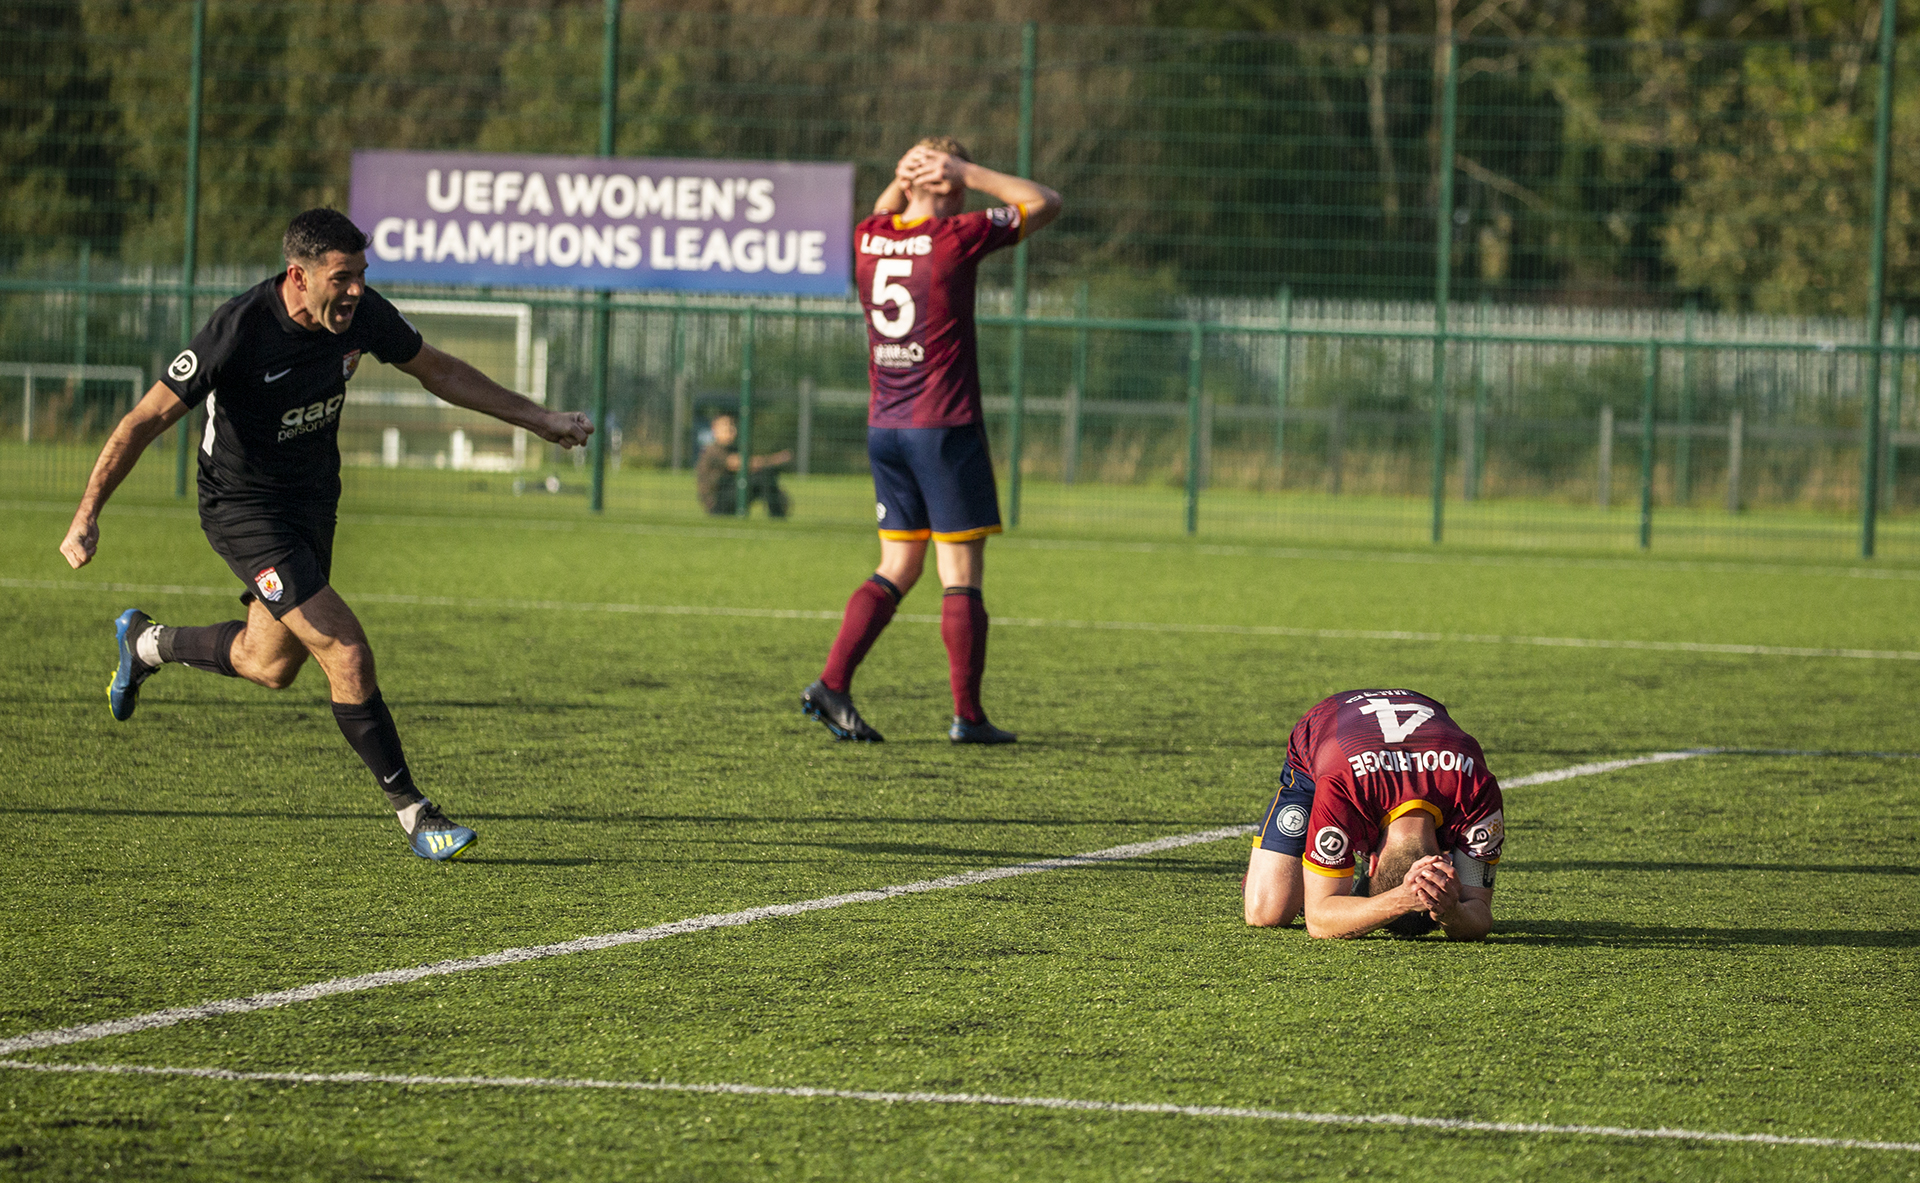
(271, 589)
(1293, 820)
(349, 362)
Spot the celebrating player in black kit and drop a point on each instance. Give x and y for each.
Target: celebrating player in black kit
(272, 366)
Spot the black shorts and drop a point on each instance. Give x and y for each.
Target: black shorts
(1285, 830)
(283, 559)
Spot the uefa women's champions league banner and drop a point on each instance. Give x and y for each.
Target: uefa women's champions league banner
(595, 222)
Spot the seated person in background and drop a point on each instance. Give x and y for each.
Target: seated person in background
(1386, 771)
(715, 472)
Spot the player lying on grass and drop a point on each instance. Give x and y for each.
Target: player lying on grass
(272, 366)
(915, 258)
(1385, 771)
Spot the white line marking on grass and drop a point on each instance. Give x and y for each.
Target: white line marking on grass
(1236, 630)
(828, 529)
(233, 1006)
(1571, 771)
(87, 1032)
(1070, 1104)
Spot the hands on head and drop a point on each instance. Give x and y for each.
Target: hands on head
(931, 170)
(1435, 885)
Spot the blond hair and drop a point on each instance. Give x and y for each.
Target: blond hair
(947, 144)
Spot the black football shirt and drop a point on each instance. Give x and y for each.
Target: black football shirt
(274, 391)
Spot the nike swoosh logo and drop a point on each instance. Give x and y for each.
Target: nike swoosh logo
(387, 780)
(280, 375)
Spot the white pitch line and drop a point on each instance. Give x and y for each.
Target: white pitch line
(1573, 770)
(1069, 1104)
(1236, 630)
(57, 1037)
(828, 529)
(87, 1032)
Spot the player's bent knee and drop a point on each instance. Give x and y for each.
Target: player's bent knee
(1267, 916)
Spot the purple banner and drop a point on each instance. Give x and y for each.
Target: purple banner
(593, 222)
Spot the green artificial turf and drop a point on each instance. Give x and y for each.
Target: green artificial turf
(1720, 944)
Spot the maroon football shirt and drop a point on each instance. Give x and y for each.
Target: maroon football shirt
(1376, 755)
(916, 285)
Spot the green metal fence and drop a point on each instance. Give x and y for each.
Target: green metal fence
(1634, 312)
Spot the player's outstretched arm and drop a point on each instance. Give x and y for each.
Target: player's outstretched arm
(449, 378)
(158, 410)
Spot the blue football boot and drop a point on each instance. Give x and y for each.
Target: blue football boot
(434, 837)
(123, 693)
(835, 711)
(981, 732)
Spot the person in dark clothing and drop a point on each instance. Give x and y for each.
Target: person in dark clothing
(716, 472)
(272, 365)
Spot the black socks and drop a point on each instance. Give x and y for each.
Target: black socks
(369, 727)
(204, 647)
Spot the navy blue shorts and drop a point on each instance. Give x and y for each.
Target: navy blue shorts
(1285, 830)
(933, 482)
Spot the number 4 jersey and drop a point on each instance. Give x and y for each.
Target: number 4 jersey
(1377, 755)
(916, 285)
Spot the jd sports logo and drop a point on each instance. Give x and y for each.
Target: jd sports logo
(1330, 844)
(185, 366)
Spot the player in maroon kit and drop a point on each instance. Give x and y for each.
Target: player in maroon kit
(1385, 775)
(915, 258)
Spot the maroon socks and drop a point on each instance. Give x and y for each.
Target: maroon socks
(868, 611)
(963, 626)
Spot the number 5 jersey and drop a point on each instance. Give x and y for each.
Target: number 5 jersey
(916, 282)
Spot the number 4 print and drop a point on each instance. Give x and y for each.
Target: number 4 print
(885, 292)
(1387, 714)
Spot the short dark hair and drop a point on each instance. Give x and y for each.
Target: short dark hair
(1390, 872)
(317, 233)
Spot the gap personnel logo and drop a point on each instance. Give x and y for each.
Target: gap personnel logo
(271, 588)
(349, 362)
(1293, 821)
(899, 357)
(879, 511)
(1330, 844)
(312, 417)
(185, 366)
